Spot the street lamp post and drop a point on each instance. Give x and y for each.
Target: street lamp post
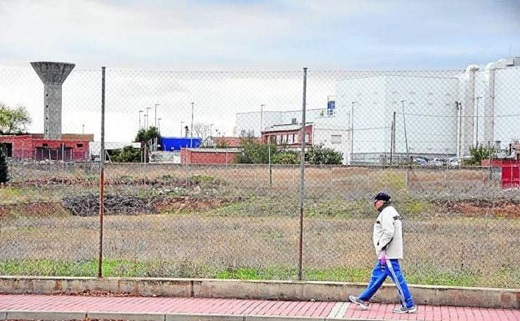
(352, 131)
(83, 128)
(159, 124)
(405, 137)
(261, 120)
(458, 105)
(147, 119)
(181, 127)
(476, 134)
(156, 115)
(140, 112)
(191, 129)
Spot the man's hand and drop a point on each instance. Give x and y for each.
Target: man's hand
(382, 257)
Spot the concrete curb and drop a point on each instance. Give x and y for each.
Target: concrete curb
(38, 315)
(204, 317)
(51, 316)
(125, 316)
(266, 290)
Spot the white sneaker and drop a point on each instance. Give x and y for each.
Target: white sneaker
(363, 305)
(402, 310)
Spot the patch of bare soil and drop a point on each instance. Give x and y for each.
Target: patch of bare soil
(483, 208)
(42, 182)
(114, 205)
(88, 205)
(40, 209)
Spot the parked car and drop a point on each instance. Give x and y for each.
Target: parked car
(420, 160)
(438, 162)
(453, 162)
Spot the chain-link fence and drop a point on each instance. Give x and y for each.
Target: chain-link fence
(201, 176)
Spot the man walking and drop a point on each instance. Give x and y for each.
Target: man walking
(388, 243)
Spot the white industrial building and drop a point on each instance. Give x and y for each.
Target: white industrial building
(432, 114)
(391, 116)
(373, 107)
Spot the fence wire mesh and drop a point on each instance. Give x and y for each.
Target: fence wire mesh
(202, 178)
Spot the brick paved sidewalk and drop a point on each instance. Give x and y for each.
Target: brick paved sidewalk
(63, 307)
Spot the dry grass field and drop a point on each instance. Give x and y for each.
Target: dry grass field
(243, 222)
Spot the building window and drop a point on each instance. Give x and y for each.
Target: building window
(331, 105)
(335, 139)
(79, 145)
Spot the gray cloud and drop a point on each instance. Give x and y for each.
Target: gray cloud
(268, 34)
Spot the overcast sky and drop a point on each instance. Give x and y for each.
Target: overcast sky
(234, 36)
(259, 34)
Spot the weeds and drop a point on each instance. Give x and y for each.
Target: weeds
(254, 231)
(186, 269)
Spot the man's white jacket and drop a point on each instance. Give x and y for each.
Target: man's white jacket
(388, 233)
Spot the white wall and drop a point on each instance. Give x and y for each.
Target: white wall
(430, 113)
(362, 100)
(507, 106)
(332, 134)
(429, 109)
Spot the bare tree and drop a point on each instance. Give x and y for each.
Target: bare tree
(201, 130)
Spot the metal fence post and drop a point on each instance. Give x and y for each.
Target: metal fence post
(102, 175)
(302, 173)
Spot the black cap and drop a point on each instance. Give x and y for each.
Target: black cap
(382, 196)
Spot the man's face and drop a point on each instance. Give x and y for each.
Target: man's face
(378, 203)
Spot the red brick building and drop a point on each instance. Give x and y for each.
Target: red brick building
(208, 155)
(288, 135)
(227, 142)
(71, 147)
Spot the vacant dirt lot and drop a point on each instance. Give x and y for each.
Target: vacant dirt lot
(202, 221)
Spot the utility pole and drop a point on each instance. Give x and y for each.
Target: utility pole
(156, 114)
(261, 120)
(405, 137)
(476, 135)
(458, 105)
(392, 143)
(191, 129)
(352, 132)
(147, 118)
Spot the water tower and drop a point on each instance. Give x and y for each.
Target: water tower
(52, 74)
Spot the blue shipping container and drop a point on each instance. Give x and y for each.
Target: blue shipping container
(176, 143)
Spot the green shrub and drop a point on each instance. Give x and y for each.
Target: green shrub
(286, 157)
(319, 155)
